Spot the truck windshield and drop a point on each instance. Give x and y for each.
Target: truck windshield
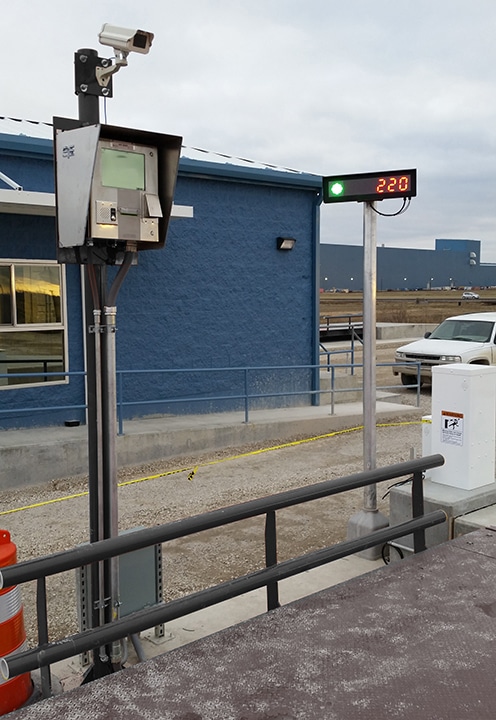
(467, 330)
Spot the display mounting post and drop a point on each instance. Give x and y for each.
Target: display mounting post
(369, 188)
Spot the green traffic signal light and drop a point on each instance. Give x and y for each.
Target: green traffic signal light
(337, 189)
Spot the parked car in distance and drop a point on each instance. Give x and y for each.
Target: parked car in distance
(470, 296)
(459, 339)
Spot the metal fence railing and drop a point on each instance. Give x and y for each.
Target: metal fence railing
(38, 569)
(333, 390)
(244, 392)
(241, 391)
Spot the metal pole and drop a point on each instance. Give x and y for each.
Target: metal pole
(95, 287)
(89, 113)
(109, 432)
(109, 424)
(369, 518)
(109, 448)
(369, 348)
(101, 453)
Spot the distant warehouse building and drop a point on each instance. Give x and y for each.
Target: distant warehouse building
(453, 263)
(221, 311)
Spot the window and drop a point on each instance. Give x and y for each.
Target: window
(467, 330)
(32, 331)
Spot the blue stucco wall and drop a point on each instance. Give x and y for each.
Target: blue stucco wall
(32, 173)
(219, 295)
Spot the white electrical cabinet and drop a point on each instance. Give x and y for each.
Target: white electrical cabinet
(464, 424)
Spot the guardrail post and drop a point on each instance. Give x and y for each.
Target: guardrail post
(271, 558)
(418, 510)
(333, 373)
(41, 613)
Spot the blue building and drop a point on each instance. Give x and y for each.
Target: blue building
(219, 295)
(452, 263)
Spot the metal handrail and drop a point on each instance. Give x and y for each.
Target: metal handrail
(333, 390)
(354, 336)
(327, 353)
(245, 396)
(346, 316)
(40, 568)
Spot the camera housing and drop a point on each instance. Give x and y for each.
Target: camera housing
(126, 39)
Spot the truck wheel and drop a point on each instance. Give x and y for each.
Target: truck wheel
(408, 380)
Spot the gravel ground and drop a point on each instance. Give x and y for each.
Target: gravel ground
(221, 478)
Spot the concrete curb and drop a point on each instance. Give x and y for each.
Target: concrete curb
(39, 455)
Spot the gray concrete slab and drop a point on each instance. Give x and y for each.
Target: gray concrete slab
(484, 518)
(454, 501)
(412, 640)
(403, 331)
(38, 455)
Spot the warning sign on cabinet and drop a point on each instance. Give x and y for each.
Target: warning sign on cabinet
(451, 427)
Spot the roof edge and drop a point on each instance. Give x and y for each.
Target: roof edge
(229, 171)
(26, 146)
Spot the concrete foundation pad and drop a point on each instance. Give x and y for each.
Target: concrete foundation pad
(484, 518)
(363, 523)
(403, 331)
(347, 388)
(455, 502)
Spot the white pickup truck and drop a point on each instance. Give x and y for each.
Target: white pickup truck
(459, 339)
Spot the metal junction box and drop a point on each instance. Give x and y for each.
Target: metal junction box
(463, 426)
(140, 586)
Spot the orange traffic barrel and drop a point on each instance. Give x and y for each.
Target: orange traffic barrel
(16, 691)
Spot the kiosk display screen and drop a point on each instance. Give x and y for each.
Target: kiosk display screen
(122, 169)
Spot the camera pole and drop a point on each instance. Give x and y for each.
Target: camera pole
(101, 439)
(85, 240)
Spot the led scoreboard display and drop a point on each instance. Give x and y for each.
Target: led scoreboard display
(367, 187)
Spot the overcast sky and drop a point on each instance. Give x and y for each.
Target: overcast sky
(322, 86)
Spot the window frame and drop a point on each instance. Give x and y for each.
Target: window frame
(37, 327)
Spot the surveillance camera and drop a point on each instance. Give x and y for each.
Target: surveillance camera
(126, 40)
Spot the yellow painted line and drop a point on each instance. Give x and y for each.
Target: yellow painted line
(193, 470)
(397, 424)
(45, 502)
